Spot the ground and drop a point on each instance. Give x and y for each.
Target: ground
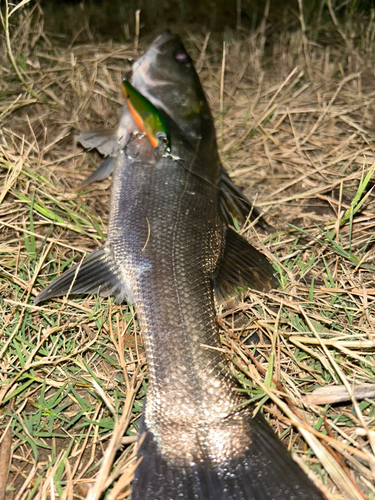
(294, 110)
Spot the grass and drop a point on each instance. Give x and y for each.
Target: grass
(295, 122)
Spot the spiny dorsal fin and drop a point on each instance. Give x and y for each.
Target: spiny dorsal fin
(94, 274)
(234, 204)
(242, 267)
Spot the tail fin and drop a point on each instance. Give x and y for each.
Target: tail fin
(265, 471)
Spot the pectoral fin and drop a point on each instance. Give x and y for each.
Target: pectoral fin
(94, 274)
(105, 170)
(234, 204)
(242, 267)
(110, 142)
(105, 141)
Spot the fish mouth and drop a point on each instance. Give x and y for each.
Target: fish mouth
(145, 73)
(161, 40)
(158, 46)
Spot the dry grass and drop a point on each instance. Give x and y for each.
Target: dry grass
(295, 123)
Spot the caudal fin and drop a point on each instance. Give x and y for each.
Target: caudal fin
(264, 471)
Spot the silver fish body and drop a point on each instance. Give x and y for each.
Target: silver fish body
(165, 75)
(168, 250)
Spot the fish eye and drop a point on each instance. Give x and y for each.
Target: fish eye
(181, 56)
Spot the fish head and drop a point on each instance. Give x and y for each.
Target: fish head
(165, 75)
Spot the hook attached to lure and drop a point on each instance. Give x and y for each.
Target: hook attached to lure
(147, 118)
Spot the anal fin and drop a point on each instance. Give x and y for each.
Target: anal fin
(242, 267)
(94, 274)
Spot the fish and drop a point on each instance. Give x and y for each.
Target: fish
(150, 82)
(169, 251)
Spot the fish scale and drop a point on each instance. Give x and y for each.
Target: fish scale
(168, 250)
(178, 325)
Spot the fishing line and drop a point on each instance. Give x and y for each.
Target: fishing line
(179, 162)
(234, 206)
(239, 203)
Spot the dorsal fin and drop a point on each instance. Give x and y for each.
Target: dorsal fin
(242, 267)
(235, 205)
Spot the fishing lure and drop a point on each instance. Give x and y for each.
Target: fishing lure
(147, 118)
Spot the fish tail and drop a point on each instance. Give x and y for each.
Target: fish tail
(157, 478)
(265, 470)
